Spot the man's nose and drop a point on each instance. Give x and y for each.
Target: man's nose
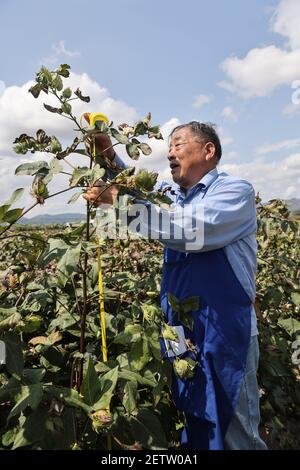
(171, 153)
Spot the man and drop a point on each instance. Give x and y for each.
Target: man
(221, 400)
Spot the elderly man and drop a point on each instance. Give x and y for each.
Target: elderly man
(221, 400)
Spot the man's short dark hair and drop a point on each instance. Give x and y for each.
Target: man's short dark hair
(206, 131)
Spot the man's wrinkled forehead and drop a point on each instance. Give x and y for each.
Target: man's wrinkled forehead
(180, 134)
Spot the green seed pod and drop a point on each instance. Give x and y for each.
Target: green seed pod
(55, 145)
(180, 367)
(101, 419)
(67, 93)
(39, 189)
(184, 368)
(145, 180)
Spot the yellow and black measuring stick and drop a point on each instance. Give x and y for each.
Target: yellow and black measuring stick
(92, 118)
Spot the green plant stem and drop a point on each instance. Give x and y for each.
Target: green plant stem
(84, 284)
(20, 296)
(35, 204)
(23, 236)
(15, 221)
(85, 306)
(99, 195)
(76, 297)
(70, 313)
(68, 163)
(71, 117)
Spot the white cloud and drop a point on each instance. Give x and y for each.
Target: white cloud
(158, 161)
(224, 137)
(20, 112)
(291, 109)
(291, 191)
(264, 69)
(293, 161)
(226, 141)
(261, 71)
(226, 85)
(283, 145)
(201, 100)
(59, 51)
(230, 156)
(285, 21)
(2, 87)
(229, 113)
(271, 179)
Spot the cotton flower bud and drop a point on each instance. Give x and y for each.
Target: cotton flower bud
(145, 180)
(101, 419)
(184, 368)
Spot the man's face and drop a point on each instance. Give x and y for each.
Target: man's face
(190, 158)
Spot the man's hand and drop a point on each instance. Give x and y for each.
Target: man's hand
(102, 142)
(101, 194)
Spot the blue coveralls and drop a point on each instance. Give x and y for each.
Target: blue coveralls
(221, 334)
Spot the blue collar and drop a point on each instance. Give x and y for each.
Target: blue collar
(209, 178)
(204, 183)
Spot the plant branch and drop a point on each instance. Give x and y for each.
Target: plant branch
(72, 118)
(68, 163)
(70, 313)
(20, 296)
(15, 221)
(76, 297)
(23, 236)
(100, 194)
(84, 311)
(34, 205)
(62, 191)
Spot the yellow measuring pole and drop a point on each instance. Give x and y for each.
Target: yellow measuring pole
(101, 291)
(101, 305)
(102, 309)
(91, 118)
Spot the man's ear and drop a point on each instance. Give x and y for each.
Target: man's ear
(210, 150)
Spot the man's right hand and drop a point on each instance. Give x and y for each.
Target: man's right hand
(101, 193)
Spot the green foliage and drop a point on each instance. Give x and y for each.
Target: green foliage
(184, 309)
(78, 93)
(278, 311)
(7, 214)
(39, 404)
(134, 383)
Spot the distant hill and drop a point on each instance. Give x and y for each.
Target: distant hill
(52, 219)
(294, 205)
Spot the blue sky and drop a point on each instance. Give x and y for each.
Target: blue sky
(230, 62)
